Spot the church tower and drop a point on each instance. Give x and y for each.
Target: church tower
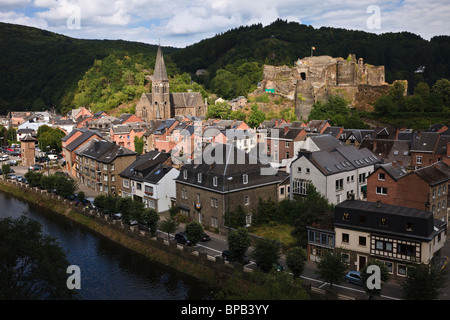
(160, 89)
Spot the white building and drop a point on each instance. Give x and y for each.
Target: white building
(336, 170)
(150, 179)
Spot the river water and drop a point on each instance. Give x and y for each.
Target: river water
(108, 270)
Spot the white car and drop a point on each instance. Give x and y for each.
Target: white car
(4, 157)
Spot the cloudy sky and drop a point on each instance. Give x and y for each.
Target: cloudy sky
(180, 23)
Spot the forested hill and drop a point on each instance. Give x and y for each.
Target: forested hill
(284, 42)
(41, 69)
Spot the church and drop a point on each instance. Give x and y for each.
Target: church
(161, 104)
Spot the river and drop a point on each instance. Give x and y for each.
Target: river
(108, 270)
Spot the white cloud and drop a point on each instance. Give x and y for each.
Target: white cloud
(180, 22)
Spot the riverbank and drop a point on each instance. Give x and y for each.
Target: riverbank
(154, 249)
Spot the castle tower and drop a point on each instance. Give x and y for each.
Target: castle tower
(160, 89)
(28, 146)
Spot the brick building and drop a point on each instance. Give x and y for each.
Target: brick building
(28, 147)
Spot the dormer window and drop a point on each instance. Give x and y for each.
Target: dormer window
(199, 177)
(244, 178)
(215, 181)
(185, 174)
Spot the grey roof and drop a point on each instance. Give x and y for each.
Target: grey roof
(394, 170)
(425, 142)
(326, 142)
(333, 131)
(224, 161)
(86, 134)
(104, 151)
(160, 72)
(434, 174)
(144, 165)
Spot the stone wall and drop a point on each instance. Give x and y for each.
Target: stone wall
(316, 78)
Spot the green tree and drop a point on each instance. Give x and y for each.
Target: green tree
(235, 219)
(442, 88)
(255, 117)
(238, 243)
(65, 186)
(265, 212)
(296, 260)
(33, 264)
(266, 253)
(194, 231)
(331, 269)
(168, 226)
(5, 169)
(139, 144)
(149, 218)
(33, 178)
(385, 105)
(384, 277)
(423, 283)
(221, 110)
(81, 196)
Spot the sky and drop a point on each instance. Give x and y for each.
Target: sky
(180, 23)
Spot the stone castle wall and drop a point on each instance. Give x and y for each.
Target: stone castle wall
(316, 78)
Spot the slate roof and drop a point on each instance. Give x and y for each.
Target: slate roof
(144, 168)
(224, 161)
(160, 72)
(326, 142)
(393, 169)
(104, 151)
(425, 142)
(434, 174)
(86, 134)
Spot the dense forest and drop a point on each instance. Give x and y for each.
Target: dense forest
(41, 70)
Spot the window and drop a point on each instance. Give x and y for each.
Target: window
(419, 159)
(214, 222)
(248, 220)
(401, 269)
(184, 194)
(346, 216)
(362, 177)
(185, 174)
(126, 183)
(383, 222)
(339, 184)
(434, 193)
(409, 226)
(308, 170)
(300, 186)
(362, 241)
(282, 190)
(214, 203)
(215, 181)
(244, 178)
(199, 177)
(287, 145)
(382, 191)
(246, 200)
(149, 190)
(345, 237)
(388, 266)
(345, 257)
(139, 186)
(299, 169)
(381, 176)
(105, 167)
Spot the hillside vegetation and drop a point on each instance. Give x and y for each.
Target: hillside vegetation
(41, 70)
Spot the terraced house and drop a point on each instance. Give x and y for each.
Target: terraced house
(99, 162)
(400, 237)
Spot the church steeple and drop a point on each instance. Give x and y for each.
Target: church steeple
(160, 89)
(160, 72)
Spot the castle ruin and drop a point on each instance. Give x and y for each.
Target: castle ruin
(318, 77)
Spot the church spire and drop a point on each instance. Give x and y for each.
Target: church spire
(160, 72)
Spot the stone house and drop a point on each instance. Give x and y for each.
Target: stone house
(223, 179)
(400, 237)
(98, 165)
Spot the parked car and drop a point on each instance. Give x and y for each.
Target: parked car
(277, 266)
(227, 256)
(12, 162)
(182, 238)
(353, 277)
(117, 216)
(11, 176)
(21, 179)
(4, 157)
(205, 237)
(36, 167)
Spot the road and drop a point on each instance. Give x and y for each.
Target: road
(390, 291)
